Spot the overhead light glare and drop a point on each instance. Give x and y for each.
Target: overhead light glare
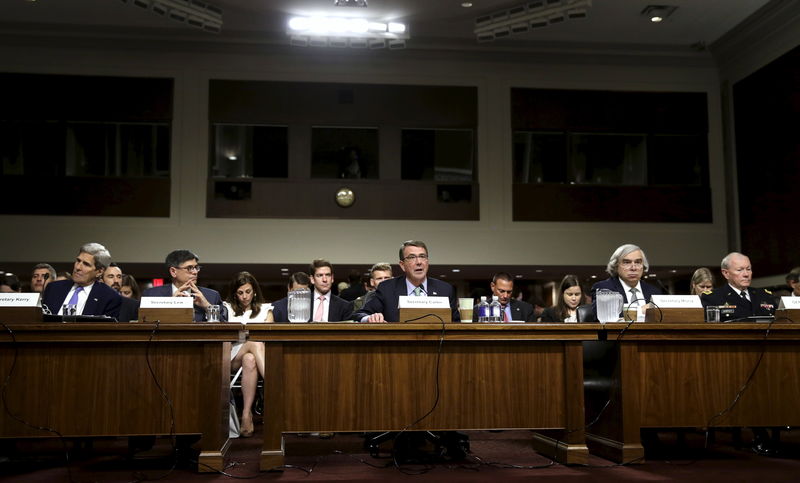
(346, 32)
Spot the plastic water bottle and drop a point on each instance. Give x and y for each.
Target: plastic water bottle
(483, 311)
(494, 310)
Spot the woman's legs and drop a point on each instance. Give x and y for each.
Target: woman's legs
(251, 359)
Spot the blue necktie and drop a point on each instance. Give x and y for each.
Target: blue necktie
(74, 299)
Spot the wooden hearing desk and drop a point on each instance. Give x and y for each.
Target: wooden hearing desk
(93, 380)
(682, 375)
(382, 377)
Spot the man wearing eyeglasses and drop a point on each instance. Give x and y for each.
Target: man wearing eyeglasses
(414, 264)
(183, 268)
(627, 266)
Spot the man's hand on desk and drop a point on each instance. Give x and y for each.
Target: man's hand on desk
(376, 317)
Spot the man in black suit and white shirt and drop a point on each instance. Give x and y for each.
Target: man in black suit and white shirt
(503, 287)
(626, 267)
(326, 307)
(83, 291)
(414, 263)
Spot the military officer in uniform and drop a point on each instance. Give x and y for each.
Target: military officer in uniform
(748, 301)
(738, 293)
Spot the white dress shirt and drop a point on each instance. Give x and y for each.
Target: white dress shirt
(83, 297)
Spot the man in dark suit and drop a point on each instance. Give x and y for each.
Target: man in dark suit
(83, 291)
(503, 287)
(183, 269)
(326, 307)
(280, 308)
(627, 266)
(129, 310)
(414, 263)
(738, 293)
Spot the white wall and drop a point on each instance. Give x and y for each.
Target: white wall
(495, 239)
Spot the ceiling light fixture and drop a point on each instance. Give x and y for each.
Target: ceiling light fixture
(658, 13)
(192, 12)
(346, 32)
(529, 16)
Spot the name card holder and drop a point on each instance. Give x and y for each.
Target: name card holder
(20, 308)
(427, 315)
(167, 310)
(425, 307)
(676, 309)
(789, 308)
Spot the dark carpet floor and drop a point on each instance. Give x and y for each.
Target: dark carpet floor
(498, 456)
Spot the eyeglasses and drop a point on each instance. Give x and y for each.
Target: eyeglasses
(413, 258)
(191, 268)
(627, 263)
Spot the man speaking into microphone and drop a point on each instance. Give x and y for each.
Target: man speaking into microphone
(414, 263)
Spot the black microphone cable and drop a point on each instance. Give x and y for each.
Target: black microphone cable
(20, 419)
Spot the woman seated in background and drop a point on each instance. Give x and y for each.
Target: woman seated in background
(246, 304)
(702, 281)
(129, 288)
(570, 296)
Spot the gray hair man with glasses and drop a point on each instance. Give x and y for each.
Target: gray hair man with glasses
(383, 307)
(183, 268)
(626, 267)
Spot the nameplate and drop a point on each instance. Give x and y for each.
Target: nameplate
(422, 302)
(166, 303)
(789, 303)
(19, 299)
(677, 301)
(167, 310)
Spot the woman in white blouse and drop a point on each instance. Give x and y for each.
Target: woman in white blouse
(246, 304)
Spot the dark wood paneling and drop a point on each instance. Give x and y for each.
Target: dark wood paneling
(767, 123)
(259, 102)
(604, 111)
(399, 200)
(558, 202)
(84, 196)
(85, 98)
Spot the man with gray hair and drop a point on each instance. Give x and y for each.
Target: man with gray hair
(626, 267)
(43, 273)
(737, 293)
(88, 297)
(793, 281)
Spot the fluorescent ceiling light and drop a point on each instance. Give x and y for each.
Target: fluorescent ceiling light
(531, 15)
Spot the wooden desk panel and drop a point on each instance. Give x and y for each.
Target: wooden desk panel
(94, 380)
(382, 377)
(662, 376)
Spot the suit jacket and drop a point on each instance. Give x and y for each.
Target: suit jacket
(338, 309)
(761, 302)
(129, 310)
(614, 284)
(199, 313)
(388, 292)
(519, 311)
(103, 300)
